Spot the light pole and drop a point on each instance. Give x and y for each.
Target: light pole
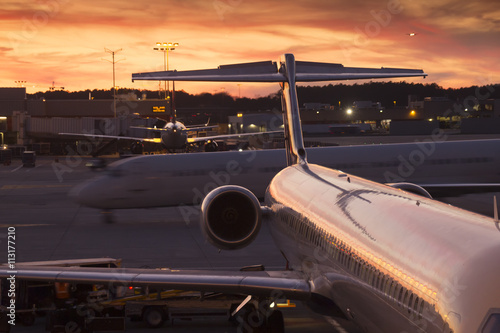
(165, 47)
(114, 85)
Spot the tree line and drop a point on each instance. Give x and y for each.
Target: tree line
(384, 92)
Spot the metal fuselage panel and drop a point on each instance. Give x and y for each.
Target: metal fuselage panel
(423, 260)
(174, 139)
(174, 179)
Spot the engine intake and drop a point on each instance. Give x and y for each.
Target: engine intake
(230, 217)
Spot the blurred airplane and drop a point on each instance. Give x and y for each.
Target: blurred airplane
(446, 168)
(386, 259)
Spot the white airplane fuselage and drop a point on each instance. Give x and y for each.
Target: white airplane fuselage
(176, 179)
(379, 252)
(389, 260)
(174, 136)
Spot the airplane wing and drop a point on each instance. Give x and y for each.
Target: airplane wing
(227, 136)
(155, 140)
(280, 284)
(189, 129)
(200, 128)
(267, 71)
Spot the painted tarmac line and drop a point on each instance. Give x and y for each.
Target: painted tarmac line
(335, 324)
(19, 167)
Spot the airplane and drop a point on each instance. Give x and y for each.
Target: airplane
(443, 168)
(387, 259)
(174, 136)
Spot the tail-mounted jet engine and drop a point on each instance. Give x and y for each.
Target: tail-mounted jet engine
(230, 217)
(412, 188)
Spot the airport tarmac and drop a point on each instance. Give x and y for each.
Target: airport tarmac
(439, 136)
(49, 226)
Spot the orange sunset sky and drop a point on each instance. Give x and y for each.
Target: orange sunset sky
(457, 42)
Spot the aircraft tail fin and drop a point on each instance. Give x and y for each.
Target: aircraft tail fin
(287, 72)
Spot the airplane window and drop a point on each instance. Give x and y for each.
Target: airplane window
(394, 289)
(381, 282)
(362, 271)
(410, 303)
(416, 305)
(375, 280)
(405, 298)
(421, 308)
(388, 286)
(370, 277)
(400, 296)
(492, 324)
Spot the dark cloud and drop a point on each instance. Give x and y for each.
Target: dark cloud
(451, 34)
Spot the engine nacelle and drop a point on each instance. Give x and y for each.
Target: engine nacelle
(230, 217)
(412, 188)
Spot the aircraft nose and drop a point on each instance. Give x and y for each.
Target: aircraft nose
(86, 194)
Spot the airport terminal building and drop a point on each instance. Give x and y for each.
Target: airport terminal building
(26, 121)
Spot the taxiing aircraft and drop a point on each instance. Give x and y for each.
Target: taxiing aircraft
(389, 260)
(444, 168)
(174, 136)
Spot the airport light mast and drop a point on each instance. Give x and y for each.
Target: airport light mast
(165, 47)
(114, 85)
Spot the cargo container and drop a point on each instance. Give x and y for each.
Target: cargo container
(29, 158)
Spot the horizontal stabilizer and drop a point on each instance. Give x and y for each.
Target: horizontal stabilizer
(265, 71)
(268, 71)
